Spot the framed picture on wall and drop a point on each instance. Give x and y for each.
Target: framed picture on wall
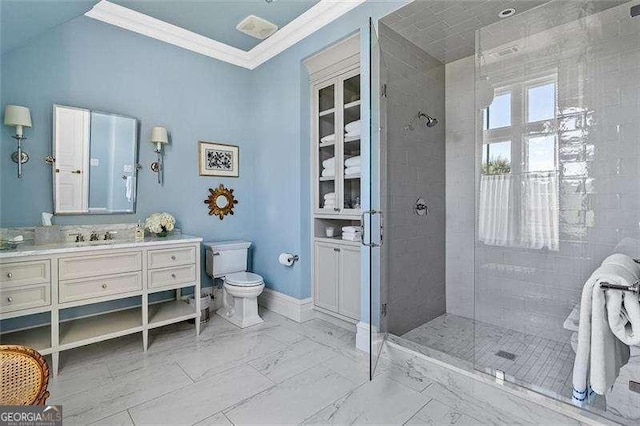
(218, 159)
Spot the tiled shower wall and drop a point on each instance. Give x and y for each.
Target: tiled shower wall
(415, 169)
(460, 186)
(597, 63)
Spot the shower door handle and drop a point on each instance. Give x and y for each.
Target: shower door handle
(372, 213)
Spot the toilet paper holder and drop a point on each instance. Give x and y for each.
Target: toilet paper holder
(285, 258)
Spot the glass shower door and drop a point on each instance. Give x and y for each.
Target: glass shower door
(373, 218)
(557, 186)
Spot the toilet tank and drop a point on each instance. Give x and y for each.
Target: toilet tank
(226, 257)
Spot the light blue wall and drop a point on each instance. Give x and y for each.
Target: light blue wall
(265, 111)
(282, 151)
(89, 64)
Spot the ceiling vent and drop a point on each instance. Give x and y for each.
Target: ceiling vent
(257, 27)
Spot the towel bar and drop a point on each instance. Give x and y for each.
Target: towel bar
(635, 288)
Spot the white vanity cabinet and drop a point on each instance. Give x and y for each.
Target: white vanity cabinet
(337, 277)
(50, 280)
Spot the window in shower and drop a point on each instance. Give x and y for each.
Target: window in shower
(518, 203)
(496, 158)
(498, 114)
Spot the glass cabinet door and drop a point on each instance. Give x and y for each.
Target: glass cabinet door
(327, 194)
(350, 167)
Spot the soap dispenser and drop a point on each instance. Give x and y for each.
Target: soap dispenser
(139, 232)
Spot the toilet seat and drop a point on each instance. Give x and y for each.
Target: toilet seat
(243, 279)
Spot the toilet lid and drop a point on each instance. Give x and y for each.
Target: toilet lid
(243, 279)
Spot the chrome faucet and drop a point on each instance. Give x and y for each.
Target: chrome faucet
(109, 235)
(79, 237)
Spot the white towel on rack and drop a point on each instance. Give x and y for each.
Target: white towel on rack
(329, 163)
(355, 170)
(600, 355)
(353, 127)
(623, 313)
(328, 138)
(353, 161)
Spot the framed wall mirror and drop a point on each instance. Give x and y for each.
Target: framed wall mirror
(95, 158)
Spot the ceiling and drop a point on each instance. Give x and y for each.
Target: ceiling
(217, 19)
(22, 20)
(446, 29)
(207, 27)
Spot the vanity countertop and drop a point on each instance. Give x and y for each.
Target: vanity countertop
(43, 250)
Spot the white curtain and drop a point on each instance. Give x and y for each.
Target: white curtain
(539, 220)
(496, 208)
(519, 211)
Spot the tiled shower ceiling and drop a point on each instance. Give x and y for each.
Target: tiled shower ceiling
(446, 29)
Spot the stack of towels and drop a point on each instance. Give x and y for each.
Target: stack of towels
(328, 139)
(352, 129)
(352, 166)
(351, 233)
(329, 200)
(329, 167)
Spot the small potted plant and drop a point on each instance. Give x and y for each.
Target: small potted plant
(160, 224)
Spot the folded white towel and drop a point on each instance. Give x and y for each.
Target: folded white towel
(331, 195)
(351, 238)
(328, 172)
(351, 228)
(328, 138)
(355, 170)
(600, 355)
(353, 126)
(354, 135)
(329, 163)
(353, 161)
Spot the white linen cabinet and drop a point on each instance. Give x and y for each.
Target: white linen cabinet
(335, 137)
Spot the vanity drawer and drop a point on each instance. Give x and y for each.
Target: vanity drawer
(92, 266)
(33, 296)
(17, 274)
(171, 257)
(70, 291)
(170, 276)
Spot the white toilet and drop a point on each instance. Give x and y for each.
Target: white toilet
(228, 260)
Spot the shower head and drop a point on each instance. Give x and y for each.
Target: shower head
(429, 121)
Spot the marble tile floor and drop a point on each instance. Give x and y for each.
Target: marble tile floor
(279, 372)
(543, 364)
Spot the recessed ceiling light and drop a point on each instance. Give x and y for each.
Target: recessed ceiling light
(506, 13)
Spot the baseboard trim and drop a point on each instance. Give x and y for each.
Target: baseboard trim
(363, 336)
(299, 310)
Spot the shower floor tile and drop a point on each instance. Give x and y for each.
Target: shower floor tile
(535, 361)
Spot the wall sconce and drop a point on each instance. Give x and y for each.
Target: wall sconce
(159, 137)
(19, 117)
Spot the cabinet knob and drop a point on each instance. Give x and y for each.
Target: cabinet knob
(76, 172)
(336, 249)
(104, 285)
(335, 209)
(9, 299)
(173, 258)
(9, 275)
(173, 276)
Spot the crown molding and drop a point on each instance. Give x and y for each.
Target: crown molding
(321, 14)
